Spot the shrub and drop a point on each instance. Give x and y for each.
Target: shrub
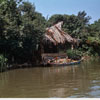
(3, 63)
(74, 54)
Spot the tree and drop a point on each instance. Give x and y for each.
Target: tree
(55, 19)
(11, 31)
(32, 29)
(76, 26)
(94, 29)
(83, 18)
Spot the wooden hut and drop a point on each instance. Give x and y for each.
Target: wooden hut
(54, 37)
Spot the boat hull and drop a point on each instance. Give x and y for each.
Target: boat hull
(66, 64)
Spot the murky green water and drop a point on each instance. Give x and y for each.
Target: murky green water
(71, 81)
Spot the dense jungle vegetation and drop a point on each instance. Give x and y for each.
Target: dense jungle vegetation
(22, 29)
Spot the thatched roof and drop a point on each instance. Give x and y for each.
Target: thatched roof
(55, 35)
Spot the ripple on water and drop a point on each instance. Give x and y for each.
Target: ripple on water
(95, 93)
(95, 87)
(96, 81)
(75, 89)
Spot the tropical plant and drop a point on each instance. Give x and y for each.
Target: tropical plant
(74, 54)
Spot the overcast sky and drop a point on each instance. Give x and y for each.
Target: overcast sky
(50, 7)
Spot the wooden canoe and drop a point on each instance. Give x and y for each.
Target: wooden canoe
(65, 64)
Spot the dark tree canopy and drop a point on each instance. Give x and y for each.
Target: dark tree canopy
(22, 28)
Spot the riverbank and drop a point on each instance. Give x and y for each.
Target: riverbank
(30, 65)
(85, 58)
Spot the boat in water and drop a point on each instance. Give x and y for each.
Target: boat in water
(65, 64)
(58, 61)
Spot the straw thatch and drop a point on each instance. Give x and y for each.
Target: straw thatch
(55, 35)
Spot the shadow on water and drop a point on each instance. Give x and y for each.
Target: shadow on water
(70, 81)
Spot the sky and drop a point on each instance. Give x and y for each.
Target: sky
(50, 7)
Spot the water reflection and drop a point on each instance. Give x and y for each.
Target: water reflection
(67, 81)
(72, 81)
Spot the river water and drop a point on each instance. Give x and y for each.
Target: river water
(77, 81)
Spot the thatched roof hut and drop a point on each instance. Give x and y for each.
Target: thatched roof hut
(53, 41)
(57, 36)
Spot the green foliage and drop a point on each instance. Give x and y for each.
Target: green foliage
(55, 19)
(22, 29)
(76, 26)
(94, 40)
(3, 63)
(32, 29)
(94, 31)
(79, 27)
(83, 18)
(74, 54)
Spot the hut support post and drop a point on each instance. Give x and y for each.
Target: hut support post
(72, 47)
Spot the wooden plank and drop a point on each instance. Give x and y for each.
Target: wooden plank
(53, 55)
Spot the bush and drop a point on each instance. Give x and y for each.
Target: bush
(74, 54)
(3, 63)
